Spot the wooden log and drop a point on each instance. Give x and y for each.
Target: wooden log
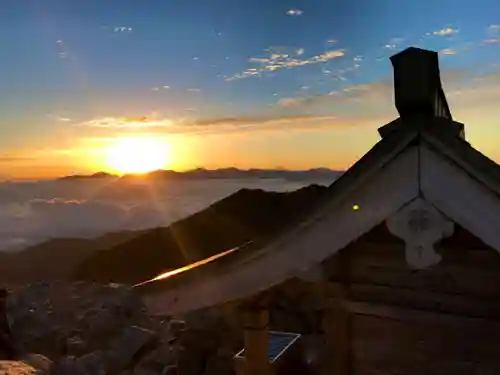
(336, 327)
(394, 254)
(256, 334)
(446, 279)
(424, 317)
(395, 345)
(336, 322)
(395, 367)
(474, 272)
(426, 300)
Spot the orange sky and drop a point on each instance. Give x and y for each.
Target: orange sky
(267, 141)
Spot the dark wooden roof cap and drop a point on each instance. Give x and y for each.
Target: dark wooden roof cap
(417, 84)
(419, 95)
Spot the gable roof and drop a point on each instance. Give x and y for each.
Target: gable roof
(418, 156)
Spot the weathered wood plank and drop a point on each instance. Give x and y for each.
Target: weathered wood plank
(390, 252)
(433, 301)
(446, 279)
(369, 369)
(337, 323)
(375, 338)
(474, 272)
(425, 317)
(427, 350)
(395, 367)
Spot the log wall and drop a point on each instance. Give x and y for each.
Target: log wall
(442, 320)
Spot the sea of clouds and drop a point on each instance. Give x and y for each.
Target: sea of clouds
(32, 212)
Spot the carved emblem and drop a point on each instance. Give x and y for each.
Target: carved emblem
(420, 226)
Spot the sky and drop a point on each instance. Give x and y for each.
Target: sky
(251, 84)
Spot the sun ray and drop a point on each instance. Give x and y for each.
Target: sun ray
(138, 154)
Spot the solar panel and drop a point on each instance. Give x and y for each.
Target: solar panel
(279, 342)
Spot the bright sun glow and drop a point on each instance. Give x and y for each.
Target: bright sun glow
(138, 154)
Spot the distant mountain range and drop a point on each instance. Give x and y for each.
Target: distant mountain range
(134, 256)
(244, 216)
(224, 173)
(54, 259)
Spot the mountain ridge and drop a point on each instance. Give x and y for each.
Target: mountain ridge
(247, 215)
(220, 173)
(132, 256)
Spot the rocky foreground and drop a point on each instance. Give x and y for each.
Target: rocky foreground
(84, 328)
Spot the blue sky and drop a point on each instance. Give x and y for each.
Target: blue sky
(228, 82)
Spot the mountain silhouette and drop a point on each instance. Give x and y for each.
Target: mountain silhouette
(241, 217)
(54, 259)
(222, 173)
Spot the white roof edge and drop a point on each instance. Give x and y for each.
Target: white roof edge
(471, 204)
(414, 172)
(291, 254)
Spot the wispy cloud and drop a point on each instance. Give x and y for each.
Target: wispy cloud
(332, 41)
(277, 61)
(122, 29)
(448, 51)
(124, 122)
(194, 90)
(221, 125)
(59, 118)
(491, 41)
(464, 89)
(12, 158)
(393, 43)
(494, 28)
(62, 51)
(445, 32)
(305, 101)
(294, 12)
(349, 93)
(158, 88)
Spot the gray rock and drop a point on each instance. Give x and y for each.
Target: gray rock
(76, 346)
(94, 363)
(164, 355)
(170, 370)
(176, 327)
(38, 361)
(17, 368)
(58, 319)
(142, 371)
(130, 347)
(90, 364)
(65, 366)
(220, 364)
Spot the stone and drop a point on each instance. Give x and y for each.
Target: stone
(58, 319)
(90, 364)
(170, 370)
(164, 355)
(17, 368)
(75, 346)
(130, 347)
(94, 363)
(220, 364)
(7, 350)
(176, 326)
(191, 362)
(38, 361)
(144, 372)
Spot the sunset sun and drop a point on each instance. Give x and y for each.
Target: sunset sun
(138, 154)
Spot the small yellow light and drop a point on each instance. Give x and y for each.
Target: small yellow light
(355, 207)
